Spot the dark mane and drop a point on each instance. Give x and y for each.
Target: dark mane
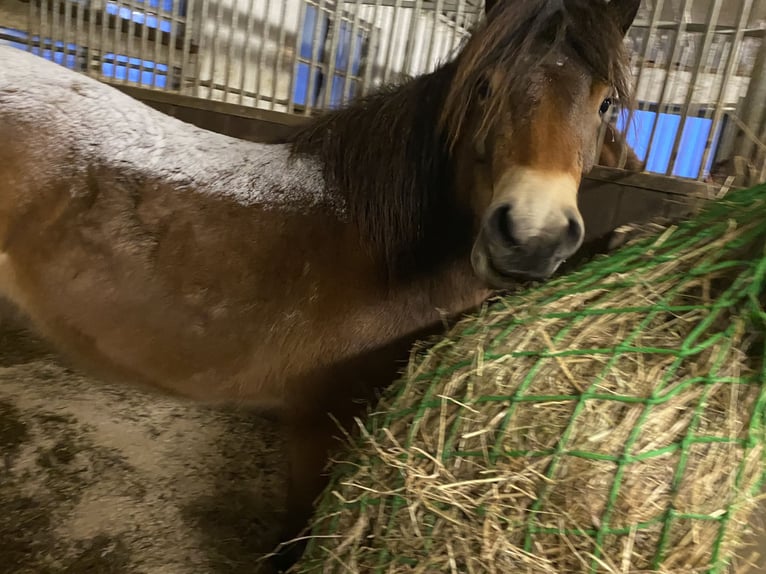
(521, 35)
(389, 153)
(385, 154)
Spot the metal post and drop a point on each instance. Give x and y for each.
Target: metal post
(753, 108)
(262, 53)
(347, 82)
(390, 47)
(675, 55)
(278, 55)
(334, 29)
(314, 64)
(731, 64)
(233, 25)
(712, 21)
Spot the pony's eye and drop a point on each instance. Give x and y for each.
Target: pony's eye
(605, 105)
(483, 89)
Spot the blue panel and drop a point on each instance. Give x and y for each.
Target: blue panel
(691, 148)
(70, 60)
(167, 5)
(301, 85)
(336, 97)
(130, 69)
(693, 140)
(149, 20)
(307, 36)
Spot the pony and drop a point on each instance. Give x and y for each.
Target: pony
(295, 277)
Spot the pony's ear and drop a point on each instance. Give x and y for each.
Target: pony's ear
(488, 5)
(625, 11)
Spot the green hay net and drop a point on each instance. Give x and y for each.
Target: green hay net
(608, 421)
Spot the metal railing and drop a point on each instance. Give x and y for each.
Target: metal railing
(699, 65)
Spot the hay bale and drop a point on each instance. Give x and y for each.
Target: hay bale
(608, 421)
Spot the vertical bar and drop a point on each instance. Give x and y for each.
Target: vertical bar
(30, 27)
(89, 49)
(390, 48)
(430, 65)
(55, 27)
(650, 36)
(675, 54)
(129, 44)
(412, 33)
(204, 12)
(214, 49)
(66, 30)
(753, 108)
(731, 63)
(278, 56)
(246, 50)
(188, 33)
(369, 56)
(262, 53)
(336, 29)
(175, 17)
(142, 49)
(372, 51)
(459, 15)
(347, 81)
(296, 56)
(233, 24)
(103, 47)
(157, 44)
(116, 39)
(712, 21)
(314, 64)
(79, 24)
(43, 24)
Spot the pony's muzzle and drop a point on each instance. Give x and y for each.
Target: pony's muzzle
(507, 251)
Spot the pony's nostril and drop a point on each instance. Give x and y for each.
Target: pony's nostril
(501, 225)
(574, 230)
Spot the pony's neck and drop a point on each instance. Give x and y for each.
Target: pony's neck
(387, 158)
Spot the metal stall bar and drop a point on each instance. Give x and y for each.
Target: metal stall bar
(204, 12)
(79, 37)
(335, 30)
(347, 82)
(650, 33)
(262, 52)
(214, 50)
(175, 10)
(296, 54)
(66, 31)
(390, 48)
(411, 35)
(459, 15)
(102, 47)
(249, 25)
(89, 49)
(430, 54)
(675, 54)
(712, 20)
(753, 108)
(188, 33)
(278, 56)
(143, 47)
(314, 64)
(372, 50)
(131, 29)
(731, 63)
(233, 25)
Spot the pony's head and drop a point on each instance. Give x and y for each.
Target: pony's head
(522, 115)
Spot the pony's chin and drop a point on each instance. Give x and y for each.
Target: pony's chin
(497, 278)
